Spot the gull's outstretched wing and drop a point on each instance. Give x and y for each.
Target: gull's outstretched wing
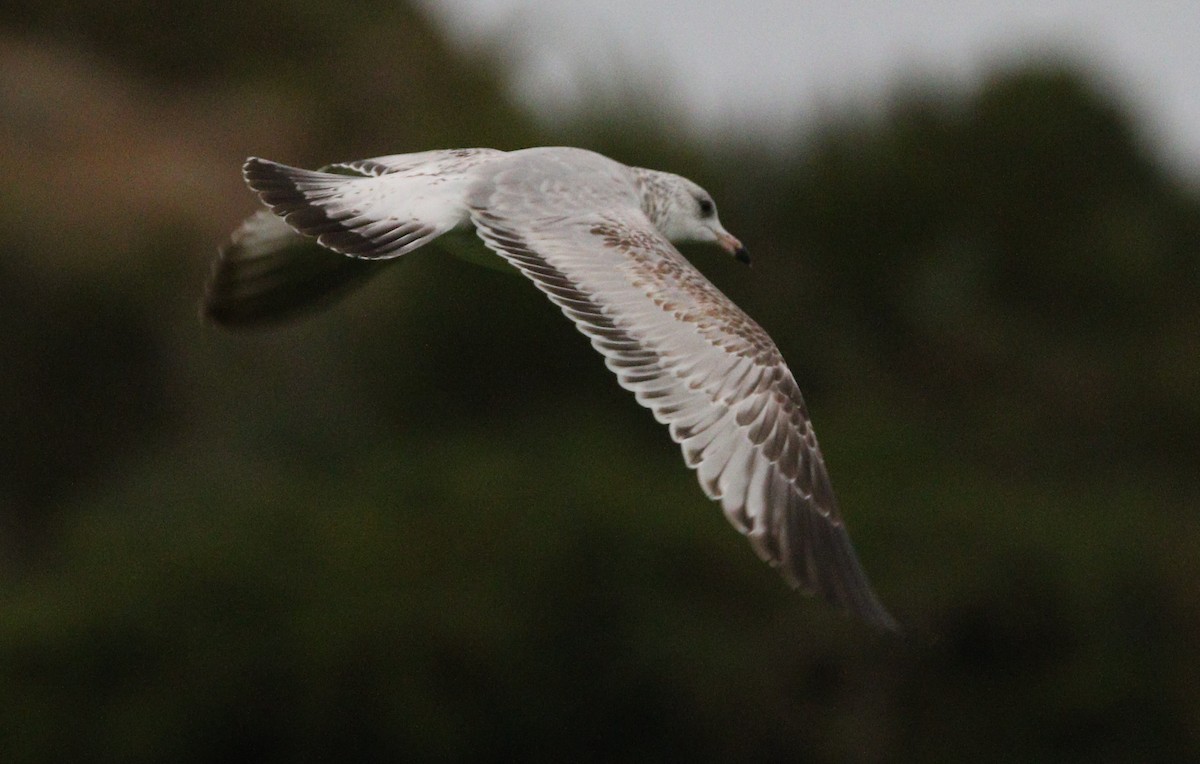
(573, 224)
(437, 162)
(272, 270)
(374, 208)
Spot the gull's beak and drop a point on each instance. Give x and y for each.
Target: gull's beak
(730, 244)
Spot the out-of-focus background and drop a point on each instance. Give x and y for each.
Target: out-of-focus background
(426, 523)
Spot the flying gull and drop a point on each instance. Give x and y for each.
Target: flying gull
(596, 237)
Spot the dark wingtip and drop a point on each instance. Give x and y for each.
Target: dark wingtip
(841, 580)
(254, 163)
(275, 183)
(251, 168)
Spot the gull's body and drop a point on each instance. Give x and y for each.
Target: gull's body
(595, 236)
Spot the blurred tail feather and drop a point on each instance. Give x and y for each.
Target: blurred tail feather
(269, 273)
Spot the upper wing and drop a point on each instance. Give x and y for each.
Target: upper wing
(698, 362)
(436, 161)
(270, 270)
(373, 208)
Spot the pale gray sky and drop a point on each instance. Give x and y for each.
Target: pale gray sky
(766, 63)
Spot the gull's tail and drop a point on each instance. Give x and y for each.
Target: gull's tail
(268, 272)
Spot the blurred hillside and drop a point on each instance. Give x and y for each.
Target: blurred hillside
(427, 524)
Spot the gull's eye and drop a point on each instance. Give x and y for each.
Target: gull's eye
(706, 206)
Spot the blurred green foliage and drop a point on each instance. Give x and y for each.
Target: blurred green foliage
(427, 524)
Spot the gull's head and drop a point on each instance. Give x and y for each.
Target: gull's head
(684, 212)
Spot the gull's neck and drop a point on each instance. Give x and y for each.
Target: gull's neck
(655, 192)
